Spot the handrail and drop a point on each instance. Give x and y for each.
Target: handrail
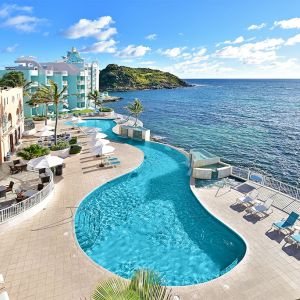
(287, 196)
(128, 118)
(16, 209)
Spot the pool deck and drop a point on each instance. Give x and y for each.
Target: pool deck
(40, 258)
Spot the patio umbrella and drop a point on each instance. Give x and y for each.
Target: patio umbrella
(44, 133)
(64, 110)
(47, 128)
(99, 135)
(46, 161)
(100, 142)
(92, 130)
(75, 108)
(102, 150)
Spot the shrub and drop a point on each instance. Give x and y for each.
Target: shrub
(33, 151)
(73, 140)
(38, 118)
(75, 149)
(105, 109)
(60, 146)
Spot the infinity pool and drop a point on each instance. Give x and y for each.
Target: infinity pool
(149, 218)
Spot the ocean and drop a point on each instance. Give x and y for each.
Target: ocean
(249, 123)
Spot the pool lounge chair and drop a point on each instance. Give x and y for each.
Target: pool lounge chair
(245, 200)
(286, 224)
(293, 239)
(261, 209)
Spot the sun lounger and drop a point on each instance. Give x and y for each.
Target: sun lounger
(114, 163)
(248, 199)
(293, 239)
(261, 209)
(286, 224)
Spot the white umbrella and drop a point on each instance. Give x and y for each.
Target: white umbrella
(46, 161)
(47, 128)
(92, 130)
(102, 150)
(64, 110)
(76, 108)
(99, 135)
(100, 142)
(74, 119)
(44, 133)
(91, 108)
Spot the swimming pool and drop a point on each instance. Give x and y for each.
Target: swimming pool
(149, 218)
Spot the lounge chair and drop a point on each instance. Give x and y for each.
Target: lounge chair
(9, 187)
(286, 224)
(16, 161)
(293, 239)
(248, 199)
(13, 170)
(3, 194)
(261, 209)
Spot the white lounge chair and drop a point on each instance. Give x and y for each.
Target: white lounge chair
(261, 209)
(247, 200)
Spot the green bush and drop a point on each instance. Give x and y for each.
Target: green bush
(73, 140)
(60, 146)
(75, 149)
(105, 109)
(38, 118)
(33, 151)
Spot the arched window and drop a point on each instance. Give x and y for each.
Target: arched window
(9, 120)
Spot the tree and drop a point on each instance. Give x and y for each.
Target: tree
(135, 109)
(13, 79)
(36, 100)
(95, 96)
(144, 285)
(52, 94)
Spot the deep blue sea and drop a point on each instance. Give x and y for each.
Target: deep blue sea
(249, 123)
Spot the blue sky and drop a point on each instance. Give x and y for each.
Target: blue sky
(191, 38)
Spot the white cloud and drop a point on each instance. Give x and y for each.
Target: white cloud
(172, 52)
(238, 40)
(10, 49)
(101, 47)
(91, 28)
(252, 53)
(7, 9)
(23, 23)
(293, 40)
(151, 37)
(291, 63)
(293, 23)
(257, 26)
(133, 51)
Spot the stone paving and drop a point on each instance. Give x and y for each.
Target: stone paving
(40, 258)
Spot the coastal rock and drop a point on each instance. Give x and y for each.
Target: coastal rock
(121, 78)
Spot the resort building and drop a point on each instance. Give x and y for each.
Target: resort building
(72, 71)
(11, 120)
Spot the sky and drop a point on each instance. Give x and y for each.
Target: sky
(191, 38)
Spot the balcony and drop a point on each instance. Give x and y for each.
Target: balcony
(65, 82)
(81, 82)
(34, 84)
(82, 73)
(49, 72)
(64, 73)
(33, 72)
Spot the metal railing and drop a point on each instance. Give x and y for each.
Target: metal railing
(286, 197)
(16, 209)
(124, 118)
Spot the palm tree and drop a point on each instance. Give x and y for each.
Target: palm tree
(95, 96)
(36, 99)
(144, 285)
(135, 108)
(52, 94)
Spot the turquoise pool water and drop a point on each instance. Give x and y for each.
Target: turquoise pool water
(149, 218)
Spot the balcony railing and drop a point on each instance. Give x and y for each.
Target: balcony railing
(286, 197)
(65, 82)
(49, 72)
(80, 82)
(19, 208)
